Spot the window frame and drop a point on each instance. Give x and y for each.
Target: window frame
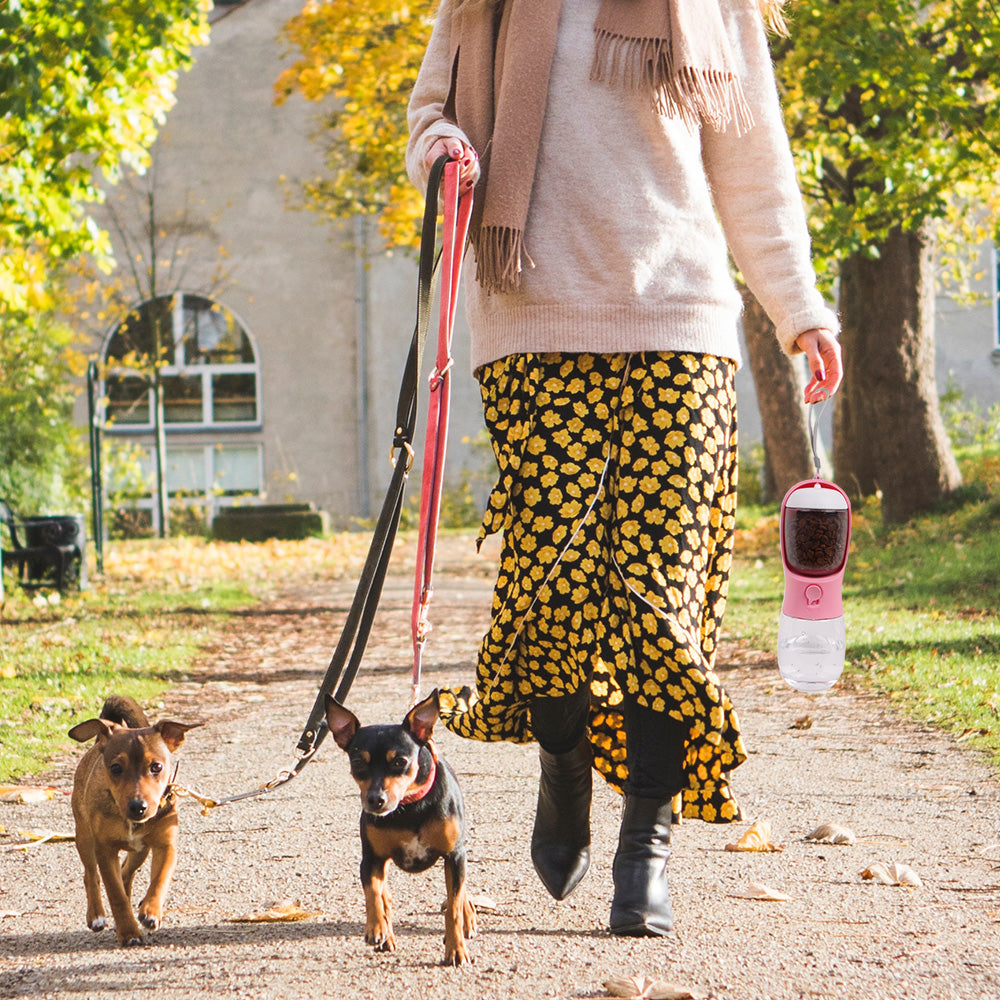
(203, 370)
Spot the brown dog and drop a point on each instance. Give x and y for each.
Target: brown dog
(122, 802)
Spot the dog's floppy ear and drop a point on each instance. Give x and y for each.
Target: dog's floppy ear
(342, 722)
(101, 728)
(173, 732)
(419, 721)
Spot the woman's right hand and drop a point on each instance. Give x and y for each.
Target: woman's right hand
(468, 159)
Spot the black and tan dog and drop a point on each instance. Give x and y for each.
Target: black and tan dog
(412, 814)
(122, 802)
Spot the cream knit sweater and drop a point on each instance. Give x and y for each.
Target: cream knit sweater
(631, 212)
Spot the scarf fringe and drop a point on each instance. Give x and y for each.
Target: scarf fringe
(693, 95)
(499, 254)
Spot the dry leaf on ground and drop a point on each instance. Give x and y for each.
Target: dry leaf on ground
(896, 874)
(285, 912)
(757, 838)
(764, 893)
(479, 900)
(644, 988)
(802, 722)
(34, 838)
(26, 795)
(832, 833)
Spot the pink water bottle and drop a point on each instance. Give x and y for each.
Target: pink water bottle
(815, 532)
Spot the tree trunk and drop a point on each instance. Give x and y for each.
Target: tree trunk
(778, 381)
(888, 432)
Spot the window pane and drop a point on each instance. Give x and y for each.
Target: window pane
(127, 400)
(234, 398)
(237, 469)
(185, 470)
(135, 338)
(212, 335)
(182, 399)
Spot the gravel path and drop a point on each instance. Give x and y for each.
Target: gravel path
(910, 794)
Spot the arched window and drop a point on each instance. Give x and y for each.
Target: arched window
(209, 368)
(211, 388)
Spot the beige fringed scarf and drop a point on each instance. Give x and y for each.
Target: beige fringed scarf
(675, 49)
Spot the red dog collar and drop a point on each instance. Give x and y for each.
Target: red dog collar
(417, 792)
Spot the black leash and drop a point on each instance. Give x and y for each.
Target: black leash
(346, 659)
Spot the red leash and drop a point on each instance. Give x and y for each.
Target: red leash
(455, 229)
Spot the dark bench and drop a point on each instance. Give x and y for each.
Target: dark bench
(46, 551)
(259, 522)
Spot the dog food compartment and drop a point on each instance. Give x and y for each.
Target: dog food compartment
(815, 530)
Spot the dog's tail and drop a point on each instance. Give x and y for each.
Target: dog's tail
(124, 711)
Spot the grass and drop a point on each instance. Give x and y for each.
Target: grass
(137, 629)
(920, 604)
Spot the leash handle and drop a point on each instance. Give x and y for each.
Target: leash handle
(455, 230)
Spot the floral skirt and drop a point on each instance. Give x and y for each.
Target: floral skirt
(616, 497)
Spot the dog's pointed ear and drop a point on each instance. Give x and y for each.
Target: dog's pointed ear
(173, 732)
(101, 728)
(419, 721)
(342, 722)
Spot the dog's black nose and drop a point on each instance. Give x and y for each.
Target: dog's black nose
(137, 809)
(376, 800)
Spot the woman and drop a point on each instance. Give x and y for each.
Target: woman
(616, 147)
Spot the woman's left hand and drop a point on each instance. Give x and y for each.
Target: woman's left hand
(822, 350)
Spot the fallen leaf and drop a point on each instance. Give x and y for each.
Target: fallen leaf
(26, 795)
(764, 893)
(644, 988)
(877, 873)
(802, 722)
(969, 733)
(832, 833)
(896, 874)
(483, 903)
(285, 912)
(35, 838)
(479, 900)
(757, 838)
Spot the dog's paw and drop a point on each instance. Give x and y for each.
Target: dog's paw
(98, 923)
(132, 940)
(459, 955)
(381, 937)
(149, 921)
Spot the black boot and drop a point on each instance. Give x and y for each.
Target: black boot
(560, 840)
(641, 904)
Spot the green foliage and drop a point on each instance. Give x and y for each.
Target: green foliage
(366, 56)
(84, 84)
(968, 423)
(42, 456)
(893, 110)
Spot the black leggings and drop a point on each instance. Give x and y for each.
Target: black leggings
(654, 741)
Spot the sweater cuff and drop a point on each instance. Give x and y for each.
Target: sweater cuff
(788, 330)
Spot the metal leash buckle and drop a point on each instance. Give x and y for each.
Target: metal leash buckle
(408, 448)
